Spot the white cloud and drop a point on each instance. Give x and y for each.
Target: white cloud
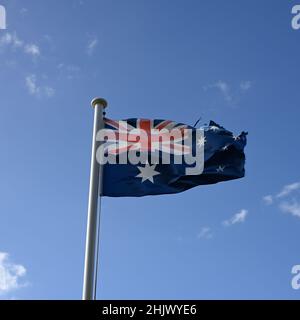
(292, 207)
(268, 199)
(289, 205)
(10, 274)
(224, 88)
(37, 90)
(286, 190)
(31, 84)
(92, 44)
(69, 71)
(49, 91)
(231, 94)
(23, 11)
(205, 233)
(10, 40)
(32, 49)
(245, 85)
(237, 218)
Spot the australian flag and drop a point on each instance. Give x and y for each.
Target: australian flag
(220, 157)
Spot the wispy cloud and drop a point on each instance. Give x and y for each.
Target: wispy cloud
(237, 218)
(292, 207)
(32, 49)
(223, 87)
(205, 233)
(230, 93)
(287, 189)
(37, 90)
(92, 44)
(11, 40)
(268, 200)
(284, 201)
(23, 11)
(245, 85)
(31, 84)
(284, 192)
(10, 274)
(68, 71)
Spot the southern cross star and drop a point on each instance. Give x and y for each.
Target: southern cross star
(225, 147)
(235, 138)
(147, 172)
(220, 168)
(214, 128)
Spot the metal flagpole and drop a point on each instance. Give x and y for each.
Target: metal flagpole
(93, 219)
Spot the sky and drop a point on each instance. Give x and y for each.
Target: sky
(234, 62)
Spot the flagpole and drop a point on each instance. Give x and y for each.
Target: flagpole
(93, 219)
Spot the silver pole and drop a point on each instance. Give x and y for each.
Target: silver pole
(93, 215)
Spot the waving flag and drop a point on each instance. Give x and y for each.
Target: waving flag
(172, 163)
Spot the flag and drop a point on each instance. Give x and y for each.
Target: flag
(172, 163)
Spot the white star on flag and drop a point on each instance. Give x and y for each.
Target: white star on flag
(214, 128)
(225, 147)
(220, 168)
(235, 138)
(147, 172)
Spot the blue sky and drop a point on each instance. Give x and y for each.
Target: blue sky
(235, 62)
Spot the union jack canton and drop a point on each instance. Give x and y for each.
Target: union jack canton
(151, 157)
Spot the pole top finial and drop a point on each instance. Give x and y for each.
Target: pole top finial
(101, 101)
